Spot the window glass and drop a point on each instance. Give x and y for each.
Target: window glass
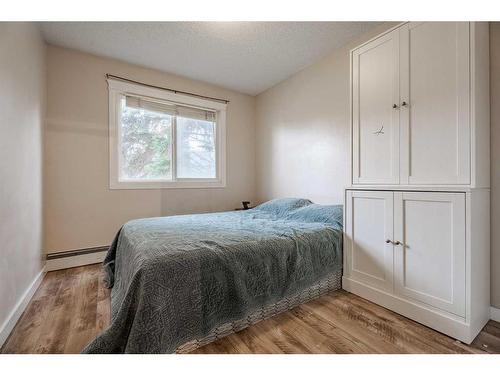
(195, 148)
(146, 144)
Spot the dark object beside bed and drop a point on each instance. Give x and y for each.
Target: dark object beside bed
(176, 279)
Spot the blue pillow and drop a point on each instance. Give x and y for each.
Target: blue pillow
(318, 213)
(282, 206)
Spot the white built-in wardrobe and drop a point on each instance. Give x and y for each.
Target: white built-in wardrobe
(417, 222)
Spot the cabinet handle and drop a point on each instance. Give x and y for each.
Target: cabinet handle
(394, 106)
(404, 104)
(388, 241)
(397, 243)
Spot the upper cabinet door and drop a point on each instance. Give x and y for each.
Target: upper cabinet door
(375, 113)
(435, 127)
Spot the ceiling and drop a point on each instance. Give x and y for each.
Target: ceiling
(248, 57)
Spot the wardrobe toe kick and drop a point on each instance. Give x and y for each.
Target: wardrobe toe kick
(417, 221)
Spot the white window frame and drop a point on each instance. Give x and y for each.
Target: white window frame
(119, 88)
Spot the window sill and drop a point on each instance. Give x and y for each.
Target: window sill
(195, 184)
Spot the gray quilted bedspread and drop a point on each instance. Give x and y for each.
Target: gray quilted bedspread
(176, 278)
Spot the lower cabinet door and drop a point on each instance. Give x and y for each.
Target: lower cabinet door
(429, 251)
(369, 230)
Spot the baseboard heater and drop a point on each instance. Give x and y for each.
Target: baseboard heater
(75, 258)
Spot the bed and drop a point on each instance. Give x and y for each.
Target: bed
(180, 282)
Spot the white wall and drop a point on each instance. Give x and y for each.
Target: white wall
(495, 160)
(303, 131)
(22, 92)
(80, 209)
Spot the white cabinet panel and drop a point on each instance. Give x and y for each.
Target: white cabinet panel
(369, 224)
(427, 164)
(375, 90)
(429, 265)
(435, 124)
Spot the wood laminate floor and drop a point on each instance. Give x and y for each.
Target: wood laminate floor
(72, 306)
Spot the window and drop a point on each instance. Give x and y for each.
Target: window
(160, 139)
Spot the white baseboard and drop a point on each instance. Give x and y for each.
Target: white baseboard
(75, 261)
(495, 314)
(21, 305)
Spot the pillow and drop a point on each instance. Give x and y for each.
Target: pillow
(280, 207)
(318, 213)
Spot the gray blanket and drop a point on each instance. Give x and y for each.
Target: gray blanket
(176, 278)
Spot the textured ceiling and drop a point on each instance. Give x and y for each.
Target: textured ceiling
(248, 57)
